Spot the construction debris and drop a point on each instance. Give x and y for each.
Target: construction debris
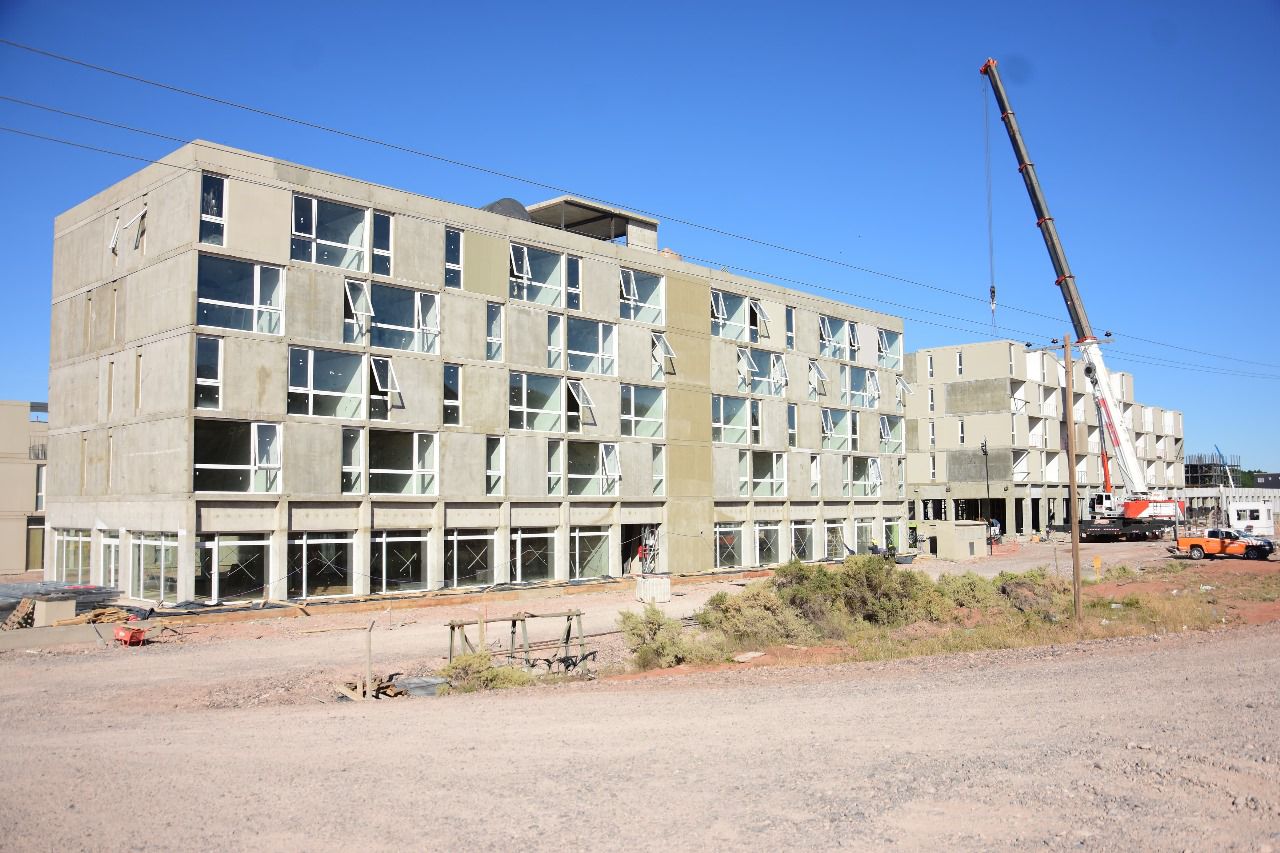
(23, 616)
(98, 615)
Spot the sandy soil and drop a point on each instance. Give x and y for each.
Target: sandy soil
(1057, 557)
(230, 737)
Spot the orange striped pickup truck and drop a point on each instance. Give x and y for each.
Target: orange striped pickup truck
(1220, 543)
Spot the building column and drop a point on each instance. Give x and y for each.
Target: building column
(615, 542)
(563, 544)
(435, 548)
(186, 551)
(362, 582)
(502, 545)
(278, 550)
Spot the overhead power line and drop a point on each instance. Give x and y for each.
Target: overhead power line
(1019, 334)
(564, 190)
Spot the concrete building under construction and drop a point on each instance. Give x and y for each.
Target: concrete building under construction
(272, 381)
(986, 440)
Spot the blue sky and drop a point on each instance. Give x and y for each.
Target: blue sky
(851, 131)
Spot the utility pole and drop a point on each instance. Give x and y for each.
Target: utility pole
(1071, 481)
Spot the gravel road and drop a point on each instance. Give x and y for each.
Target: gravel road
(1128, 744)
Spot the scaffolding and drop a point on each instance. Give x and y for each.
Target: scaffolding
(1211, 470)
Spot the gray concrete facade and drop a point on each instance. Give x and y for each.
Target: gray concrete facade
(252, 394)
(1015, 400)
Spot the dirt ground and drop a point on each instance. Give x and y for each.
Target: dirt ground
(230, 737)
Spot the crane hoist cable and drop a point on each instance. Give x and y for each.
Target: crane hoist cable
(991, 231)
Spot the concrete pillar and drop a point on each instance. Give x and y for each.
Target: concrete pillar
(278, 555)
(562, 543)
(435, 548)
(615, 542)
(502, 545)
(784, 535)
(361, 553)
(187, 552)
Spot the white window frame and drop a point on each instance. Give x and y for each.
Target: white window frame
(959, 363)
(636, 425)
(664, 357)
(360, 303)
(659, 470)
(726, 527)
(885, 356)
(220, 221)
(364, 250)
(790, 327)
(803, 525)
(960, 431)
(830, 343)
(929, 361)
(266, 470)
(627, 285)
(519, 256)
(932, 401)
(385, 384)
(555, 341)
(521, 276)
(261, 311)
(815, 475)
(555, 466)
(757, 318)
(579, 393)
(729, 328)
(447, 402)
(495, 478)
(572, 282)
(605, 358)
(492, 342)
(719, 425)
(450, 266)
(775, 485)
(793, 425)
(356, 469)
(216, 382)
(524, 414)
(423, 471)
(817, 380)
(428, 321)
(889, 444)
(168, 546)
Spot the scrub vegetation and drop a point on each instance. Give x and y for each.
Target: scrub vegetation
(869, 609)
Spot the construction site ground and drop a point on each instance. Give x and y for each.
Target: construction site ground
(231, 736)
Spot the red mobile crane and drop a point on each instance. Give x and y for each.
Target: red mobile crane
(1143, 510)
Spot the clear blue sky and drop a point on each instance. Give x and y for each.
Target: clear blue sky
(853, 131)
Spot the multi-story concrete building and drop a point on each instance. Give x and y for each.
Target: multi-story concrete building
(273, 381)
(23, 457)
(1014, 401)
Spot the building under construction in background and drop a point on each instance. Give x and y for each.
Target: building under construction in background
(1210, 470)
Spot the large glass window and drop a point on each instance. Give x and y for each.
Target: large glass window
(154, 573)
(352, 460)
(640, 297)
(728, 545)
(71, 555)
(392, 317)
(591, 347)
(767, 549)
(397, 561)
(402, 463)
(836, 548)
(768, 472)
(236, 456)
(494, 464)
(889, 349)
(339, 235)
(866, 476)
(232, 567)
(802, 541)
(642, 411)
(320, 564)
(213, 219)
(468, 557)
(326, 383)
(839, 430)
(535, 402)
(730, 316)
(592, 468)
(735, 420)
(859, 386)
(208, 372)
(659, 470)
(533, 554)
(536, 275)
(837, 338)
(891, 434)
(234, 294)
(761, 371)
(493, 332)
(588, 552)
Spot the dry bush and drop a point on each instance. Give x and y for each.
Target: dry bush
(469, 673)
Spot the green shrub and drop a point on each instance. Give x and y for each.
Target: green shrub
(1036, 593)
(866, 587)
(655, 639)
(757, 616)
(970, 590)
(469, 673)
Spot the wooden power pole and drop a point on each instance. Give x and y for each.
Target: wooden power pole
(1072, 490)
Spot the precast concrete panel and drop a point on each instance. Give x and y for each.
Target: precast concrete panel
(236, 516)
(591, 514)
(978, 395)
(417, 250)
(462, 321)
(167, 376)
(725, 469)
(485, 516)
(160, 298)
(154, 457)
(688, 306)
(725, 376)
(525, 340)
(635, 353)
(600, 293)
(328, 516)
(258, 221)
(314, 300)
(312, 458)
(606, 418)
(636, 461)
(773, 424)
(688, 536)
(693, 358)
(418, 405)
(486, 265)
(461, 465)
(73, 395)
(535, 515)
(527, 465)
(689, 469)
(255, 376)
(731, 511)
(485, 398)
(403, 516)
(688, 414)
(80, 255)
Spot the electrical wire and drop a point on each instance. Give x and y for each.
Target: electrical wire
(554, 188)
(978, 328)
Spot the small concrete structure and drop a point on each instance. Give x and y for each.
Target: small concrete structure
(52, 608)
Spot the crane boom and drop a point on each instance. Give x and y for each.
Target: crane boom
(1126, 454)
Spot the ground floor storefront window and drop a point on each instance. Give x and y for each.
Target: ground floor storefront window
(232, 567)
(320, 565)
(468, 557)
(397, 561)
